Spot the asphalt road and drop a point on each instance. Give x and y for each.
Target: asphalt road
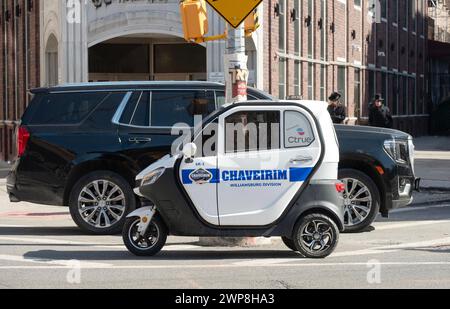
(41, 248)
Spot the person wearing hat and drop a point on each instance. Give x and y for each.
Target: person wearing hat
(335, 108)
(379, 114)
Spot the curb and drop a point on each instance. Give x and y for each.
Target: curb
(440, 189)
(431, 203)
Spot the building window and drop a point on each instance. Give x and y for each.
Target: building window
(323, 32)
(394, 10)
(404, 95)
(358, 3)
(372, 7)
(297, 27)
(357, 93)
(412, 92)
(282, 26)
(282, 79)
(412, 14)
(372, 85)
(394, 93)
(341, 83)
(383, 9)
(310, 81)
(405, 16)
(384, 93)
(297, 78)
(323, 81)
(311, 29)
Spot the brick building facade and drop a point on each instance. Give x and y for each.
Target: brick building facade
(314, 47)
(19, 66)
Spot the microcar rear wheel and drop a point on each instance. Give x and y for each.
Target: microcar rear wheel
(316, 236)
(148, 244)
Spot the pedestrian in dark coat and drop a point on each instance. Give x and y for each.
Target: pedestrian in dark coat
(379, 114)
(335, 108)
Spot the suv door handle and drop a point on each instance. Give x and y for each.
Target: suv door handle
(301, 159)
(139, 140)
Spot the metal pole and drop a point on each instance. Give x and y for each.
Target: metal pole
(236, 71)
(236, 91)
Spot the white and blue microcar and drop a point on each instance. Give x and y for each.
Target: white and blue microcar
(252, 169)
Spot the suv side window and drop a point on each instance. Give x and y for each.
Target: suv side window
(175, 107)
(220, 98)
(62, 108)
(252, 130)
(298, 131)
(137, 111)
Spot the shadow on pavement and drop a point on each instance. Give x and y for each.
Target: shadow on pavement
(431, 214)
(42, 231)
(182, 255)
(445, 249)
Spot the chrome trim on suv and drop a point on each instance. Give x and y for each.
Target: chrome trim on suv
(121, 108)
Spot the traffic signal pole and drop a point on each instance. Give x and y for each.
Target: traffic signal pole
(235, 66)
(236, 78)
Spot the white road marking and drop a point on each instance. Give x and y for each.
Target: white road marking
(211, 266)
(419, 208)
(64, 263)
(392, 226)
(369, 251)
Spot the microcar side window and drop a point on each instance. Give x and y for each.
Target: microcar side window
(298, 131)
(206, 141)
(247, 131)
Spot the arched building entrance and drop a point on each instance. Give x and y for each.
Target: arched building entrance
(141, 41)
(147, 57)
(51, 61)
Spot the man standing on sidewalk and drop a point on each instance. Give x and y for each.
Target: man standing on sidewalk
(379, 114)
(335, 108)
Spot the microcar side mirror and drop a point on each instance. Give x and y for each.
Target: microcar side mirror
(190, 150)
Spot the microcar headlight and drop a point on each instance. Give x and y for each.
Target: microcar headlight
(152, 177)
(398, 150)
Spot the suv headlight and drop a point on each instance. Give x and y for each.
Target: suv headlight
(398, 150)
(152, 177)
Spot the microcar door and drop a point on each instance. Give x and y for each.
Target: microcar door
(265, 155)
(199, 175)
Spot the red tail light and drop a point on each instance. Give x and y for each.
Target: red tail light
(340, 187)
(22, 140)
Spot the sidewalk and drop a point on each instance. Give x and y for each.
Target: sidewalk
(433, 162)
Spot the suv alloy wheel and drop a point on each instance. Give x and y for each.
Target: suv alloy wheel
(361, 198)
(100, 202)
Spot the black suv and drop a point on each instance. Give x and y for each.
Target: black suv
(82, 146)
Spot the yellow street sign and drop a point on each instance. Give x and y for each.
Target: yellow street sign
(234, 11)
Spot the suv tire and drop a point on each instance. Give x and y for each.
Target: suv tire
(100, 201)
(356, 182)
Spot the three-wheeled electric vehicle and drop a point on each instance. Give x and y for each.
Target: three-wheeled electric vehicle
(251, 169)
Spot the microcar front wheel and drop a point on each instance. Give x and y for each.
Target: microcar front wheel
(316, 236)
(148, 244)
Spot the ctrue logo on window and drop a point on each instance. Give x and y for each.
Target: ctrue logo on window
(298, 137)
